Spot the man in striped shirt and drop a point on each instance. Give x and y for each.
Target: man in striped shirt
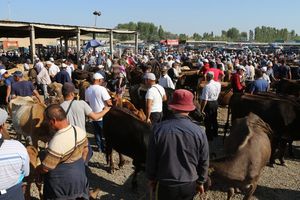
(14, 165)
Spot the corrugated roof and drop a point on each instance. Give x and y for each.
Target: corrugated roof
(20, 29)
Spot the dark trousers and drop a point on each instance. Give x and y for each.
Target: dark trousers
(13, 193)
(184, 191)
(211, 122)
(156, 117)
(98, 126)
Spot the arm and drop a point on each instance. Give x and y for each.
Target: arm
(85, 150)
(96, 116)
(37, 95)
(149, 103)
(203, 164)
(202, 105)
(8, 91)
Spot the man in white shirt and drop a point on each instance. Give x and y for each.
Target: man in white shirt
(70, 67)
(14, 164)
(209, 105)
(98, 97)
(154, 99)
(53, 69)
(43, 79)
(165, 80)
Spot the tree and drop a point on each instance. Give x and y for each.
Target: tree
(233, 33)
(251, 35)
(183, 37)
(161, 33)
(244, 36)
(197, 36)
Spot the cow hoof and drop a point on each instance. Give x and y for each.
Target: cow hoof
(283, 164)
(271, 165)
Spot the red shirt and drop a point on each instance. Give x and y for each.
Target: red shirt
(204, 68)
(236, 83)
(217, 72)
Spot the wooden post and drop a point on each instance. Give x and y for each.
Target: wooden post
(66, 45)
(32, 42)
(111, 44)
(136, 37)
(78, 46)
(61, 44)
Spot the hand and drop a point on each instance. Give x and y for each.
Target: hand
(200, 188)
(106, 108)
(203, 113)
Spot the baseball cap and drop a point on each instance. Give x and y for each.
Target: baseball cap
(68, 88)
(18, 74)
(2, 71)
(150, 76)
(97, 76)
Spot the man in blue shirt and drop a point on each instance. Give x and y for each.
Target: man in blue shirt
(63, 76)
(260, 84)
(178, 153)
(23, 88)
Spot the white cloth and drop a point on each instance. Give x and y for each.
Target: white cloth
(166, 82)
(156, 93)
(39, 65)
(26, 67)
(250, 72)
(53, 70)
(266, 77)
(211, 91)
(14, 163)
(96, 96)
(43, 77)
(70, 69)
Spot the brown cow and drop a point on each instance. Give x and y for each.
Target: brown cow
(248, 150)
(28, 117)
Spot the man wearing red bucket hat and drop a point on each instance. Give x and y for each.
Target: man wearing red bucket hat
(178, 154)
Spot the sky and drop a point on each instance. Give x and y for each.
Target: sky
(176, 16)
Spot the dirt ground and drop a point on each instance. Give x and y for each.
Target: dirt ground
(278, 183)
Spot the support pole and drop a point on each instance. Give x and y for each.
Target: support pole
(61, 44)
(111, 43)
(32, 43)
(136, 37)
(66, 45)
(78, 46)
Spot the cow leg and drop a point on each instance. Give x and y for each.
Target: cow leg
(282, 148)
(121, 161)
(109, 159)
(134, 184)
(290, 148)
(230, 193)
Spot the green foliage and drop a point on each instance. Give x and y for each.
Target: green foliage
(152, 33)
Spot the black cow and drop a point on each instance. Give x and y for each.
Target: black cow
(281, 113)
(127, 135)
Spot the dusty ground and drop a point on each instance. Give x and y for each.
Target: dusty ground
(278, 183)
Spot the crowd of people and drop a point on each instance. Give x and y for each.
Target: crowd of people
(177, 160)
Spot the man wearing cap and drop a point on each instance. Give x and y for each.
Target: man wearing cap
(14, 164)
(63, 76)
(154, 99)
(23, 88)
(98, 97)
(260, 84)
(209, 105)
(77, 110)
(52, 68)
(178, 153)
(43, 79)
(38, 65)
(236, 80)
(8, 81)
(165, 81)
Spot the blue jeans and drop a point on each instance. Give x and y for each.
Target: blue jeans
(98, 126)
